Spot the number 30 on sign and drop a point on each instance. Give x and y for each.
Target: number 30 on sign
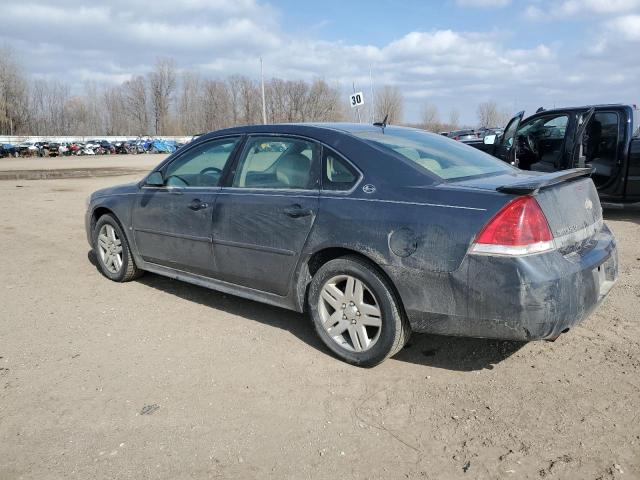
(357, 99)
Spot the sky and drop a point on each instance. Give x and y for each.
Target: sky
(453, 54)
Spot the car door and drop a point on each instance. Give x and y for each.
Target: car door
(505, 148)
(172, 218)
(262, 220)
(578, 151)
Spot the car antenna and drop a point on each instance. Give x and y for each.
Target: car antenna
(382, 124)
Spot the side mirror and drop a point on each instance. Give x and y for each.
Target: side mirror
(489, 139)
(155, 180)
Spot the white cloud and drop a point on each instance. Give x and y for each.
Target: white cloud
(552, 9)
(628, 27)
(223, 37)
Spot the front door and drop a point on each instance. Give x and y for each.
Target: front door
(262, 221)
(505, 149)
(172, 222)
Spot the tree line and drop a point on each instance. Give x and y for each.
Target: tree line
(163, 102)
(167, 101)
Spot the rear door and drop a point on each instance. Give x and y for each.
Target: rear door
(505, 149)
(262, 220)
(172, 222)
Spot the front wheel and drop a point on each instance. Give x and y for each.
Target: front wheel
(356, 313)
(112, 251)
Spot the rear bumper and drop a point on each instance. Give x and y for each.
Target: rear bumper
(515, 298)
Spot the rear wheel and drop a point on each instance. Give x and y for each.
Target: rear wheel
(112, 251)
(356, 313)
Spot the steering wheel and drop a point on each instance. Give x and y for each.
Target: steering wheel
(532, 144)
(210, 170)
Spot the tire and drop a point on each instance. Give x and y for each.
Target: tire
(377, 305)
(124, 268)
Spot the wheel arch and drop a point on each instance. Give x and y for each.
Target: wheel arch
(100, 211)
(321, 256)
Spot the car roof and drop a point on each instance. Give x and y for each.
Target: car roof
(599, 106)
(304, 128)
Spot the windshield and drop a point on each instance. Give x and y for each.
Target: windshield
(443, 157)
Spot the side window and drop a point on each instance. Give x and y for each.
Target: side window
(507, 136)
(201, 166)
(278, 163)
(336, 173)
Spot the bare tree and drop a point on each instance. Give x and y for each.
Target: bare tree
(454, 118)
(115, 108)
(489, 115)
(216, 102)
(95, 118)
(162, 83)
(46, 107)
(190, 112)
(322, 103)
(431, 118)
(389, 101)
(14, 108)
(137, 105)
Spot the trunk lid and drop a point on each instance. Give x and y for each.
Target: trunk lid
(573, 212)
(568, 199)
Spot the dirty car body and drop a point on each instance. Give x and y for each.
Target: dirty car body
(413, 205)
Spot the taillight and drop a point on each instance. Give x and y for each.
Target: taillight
(519, 228)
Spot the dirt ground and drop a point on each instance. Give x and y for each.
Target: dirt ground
(160, 379)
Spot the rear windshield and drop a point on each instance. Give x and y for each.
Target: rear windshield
(441, 156)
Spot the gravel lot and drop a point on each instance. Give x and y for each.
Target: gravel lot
(160, 379)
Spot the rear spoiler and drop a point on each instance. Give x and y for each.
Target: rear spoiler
(535, 183)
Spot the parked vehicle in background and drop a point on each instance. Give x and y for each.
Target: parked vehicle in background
(8, 150)
(107, 147)
(121, 148)
(605, 138)
(53, 149)
(28, 148)
(63, 149)
(463, 135)
(375, 231)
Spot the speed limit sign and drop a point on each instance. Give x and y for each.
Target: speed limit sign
(357, 99)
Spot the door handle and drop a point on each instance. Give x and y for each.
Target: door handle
(296, 211)
(196, 204)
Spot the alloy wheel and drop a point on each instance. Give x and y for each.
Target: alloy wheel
(110, 248)
(350, 313)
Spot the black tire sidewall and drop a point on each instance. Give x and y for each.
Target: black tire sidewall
(109, 220)
(391, 321)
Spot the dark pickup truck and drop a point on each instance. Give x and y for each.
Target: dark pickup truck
(605, 138)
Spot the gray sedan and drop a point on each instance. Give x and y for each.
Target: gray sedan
(375, 231)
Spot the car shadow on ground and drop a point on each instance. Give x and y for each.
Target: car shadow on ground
(449, 353)
(457, 353)
(629, 214)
